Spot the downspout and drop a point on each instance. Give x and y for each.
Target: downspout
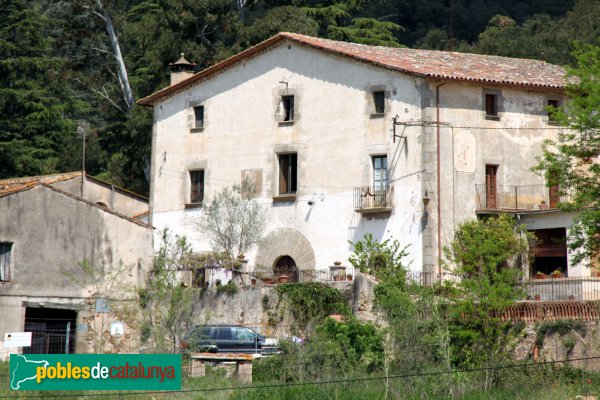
(439, 197)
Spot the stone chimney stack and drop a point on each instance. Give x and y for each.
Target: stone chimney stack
(181, 70)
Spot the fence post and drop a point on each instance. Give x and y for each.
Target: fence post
(67, 337)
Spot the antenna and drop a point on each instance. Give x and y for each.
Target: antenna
(81, 132)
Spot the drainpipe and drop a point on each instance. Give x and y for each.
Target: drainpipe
(439, 197)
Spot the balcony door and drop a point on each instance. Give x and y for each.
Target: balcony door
(380, 180)
(491, 187)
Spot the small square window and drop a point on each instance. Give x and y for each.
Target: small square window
(491, 105)
(379, 102)
(198, 117)
(5, 253)
(288, 173)
(553, 105)
(196, 186)
(288, 108)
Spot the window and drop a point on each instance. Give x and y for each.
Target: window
(288, 108)
(491, 105)
(196, 186)
(553, 105)
(198, 117)
(288, 173)
(379, 102)
(5, 251)
(380, 174)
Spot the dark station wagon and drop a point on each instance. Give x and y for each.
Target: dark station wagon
(228, 339)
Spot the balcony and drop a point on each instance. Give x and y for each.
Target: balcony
(371, 200)
(518, 198)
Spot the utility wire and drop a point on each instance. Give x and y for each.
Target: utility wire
(326, 382)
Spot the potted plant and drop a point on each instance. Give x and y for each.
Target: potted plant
(283, 279)
(557, 273)
(540, 275)
(349, 277)
(537, 296)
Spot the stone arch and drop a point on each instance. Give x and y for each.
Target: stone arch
(285, 242)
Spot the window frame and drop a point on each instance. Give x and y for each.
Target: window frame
(6, 249)
(201, 190)
(378, 98)
(197, 126)
(557, 104)
(383, 182)
(288, 103)
(497, 107)
(290, 179)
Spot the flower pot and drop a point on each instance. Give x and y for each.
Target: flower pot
(556, 276)
(268, 281)
(283, 279)
(537, 297)
(253, 281)
(540, 276)
(348, 277)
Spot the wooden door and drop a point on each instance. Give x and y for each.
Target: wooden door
(554, 196)
(491, 191)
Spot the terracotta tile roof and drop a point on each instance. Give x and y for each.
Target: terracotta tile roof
(443, 65)
(12, 184)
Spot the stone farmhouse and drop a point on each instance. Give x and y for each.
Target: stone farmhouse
(346, 139)
(48, 226)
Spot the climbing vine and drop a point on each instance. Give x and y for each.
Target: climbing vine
(310, 301)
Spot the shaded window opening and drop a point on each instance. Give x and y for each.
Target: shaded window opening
(197, 186)
(491, 105)
(553, 105)
(5, 256)
(199, 117)
(550, 250)
(288, 108)
(379, 102)
(288, 174)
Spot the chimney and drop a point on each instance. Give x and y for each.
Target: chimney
(181, 70)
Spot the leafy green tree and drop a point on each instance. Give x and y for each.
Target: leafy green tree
(571, 161)
(381, 259)
(233, 221)
(36, 107)
(167, 306)
(487, 255)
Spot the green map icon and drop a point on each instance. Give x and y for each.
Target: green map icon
(22, 369)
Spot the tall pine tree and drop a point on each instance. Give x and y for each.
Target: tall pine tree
(36, 107)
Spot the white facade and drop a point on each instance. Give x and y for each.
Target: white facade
(337, 136)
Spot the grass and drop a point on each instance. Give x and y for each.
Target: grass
(542, 384)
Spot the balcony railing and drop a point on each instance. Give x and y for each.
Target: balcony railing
(369, 199)
(559, 289)
(517, 198)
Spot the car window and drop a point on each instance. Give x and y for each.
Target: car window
(222, 333)
(243, 334)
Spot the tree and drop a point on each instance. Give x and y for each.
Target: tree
(487, 256)
(167, 306)
(36, 106)
(233, 221)
(380, 259)
(568, 160)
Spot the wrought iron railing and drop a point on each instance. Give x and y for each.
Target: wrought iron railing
(370, 198)
(510, 197)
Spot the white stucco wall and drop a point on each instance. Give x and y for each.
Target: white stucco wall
(334, 136)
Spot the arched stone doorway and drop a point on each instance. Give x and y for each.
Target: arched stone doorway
(281, 245)
(286, 266)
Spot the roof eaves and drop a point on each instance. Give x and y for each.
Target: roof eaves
(210, 71)
(96, 205)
